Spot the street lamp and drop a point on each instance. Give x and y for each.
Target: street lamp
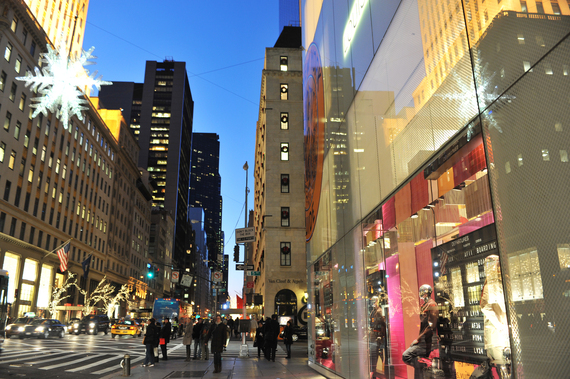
(243, 351)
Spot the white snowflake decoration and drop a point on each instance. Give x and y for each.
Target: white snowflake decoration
(61, 83)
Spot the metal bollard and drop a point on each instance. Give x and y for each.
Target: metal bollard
(126, 365)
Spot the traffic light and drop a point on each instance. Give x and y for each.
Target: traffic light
(236, 253)
(149, 271)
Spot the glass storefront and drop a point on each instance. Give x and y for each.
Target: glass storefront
(437, 143)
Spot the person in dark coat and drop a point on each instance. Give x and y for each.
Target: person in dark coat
(165, 334)
(149, 341)
(259, 339)
(271, 335)
(158, 333)
(288, 337)
(196, 333)
(218, 342)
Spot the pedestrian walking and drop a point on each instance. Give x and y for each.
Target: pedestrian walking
(158, 332)
(288, 337)
(219, 336)
(259, 339)
(253, 326)
(271, 330)
(204, 339)
(231, 324)
(149, 340)
(196, 333)
(165, 338)
(187, 340)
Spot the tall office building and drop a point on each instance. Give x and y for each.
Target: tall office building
(205, 188)
(279, 221)
(60, 19)
(289, 14)
(161, 116)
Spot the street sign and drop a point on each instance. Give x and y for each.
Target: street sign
(217, 276)
(253, 273)
(175, 276)
(250, 285)
(241, 267)
(245, 235)
(186, 280)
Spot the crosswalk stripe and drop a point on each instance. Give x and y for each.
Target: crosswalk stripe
(99, 362)
(72, 362)
(3, 358)
(113, 368)
(51, 359)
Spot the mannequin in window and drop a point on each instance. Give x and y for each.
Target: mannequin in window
(427, 339)
(496, 327)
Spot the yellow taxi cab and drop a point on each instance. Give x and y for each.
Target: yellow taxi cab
(126, 327)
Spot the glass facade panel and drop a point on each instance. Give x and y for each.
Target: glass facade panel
(30, 270)
(44, 292)
(417, 191)
(11, 264)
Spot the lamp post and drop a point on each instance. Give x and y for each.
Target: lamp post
(243, 351)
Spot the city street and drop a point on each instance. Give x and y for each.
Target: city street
(100, 357)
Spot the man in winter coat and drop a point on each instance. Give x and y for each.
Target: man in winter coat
(165, 334)
(204, 339)
(196, 332)
(187, 340)
(219, 336)
(149, 341)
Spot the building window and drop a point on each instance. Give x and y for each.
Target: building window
(18, 64)
(8, 52)
(284, 151)
(284, 91)
(555, 7)
(285, 216)
(13, 90)
(523, 7)
(17, 130)
(2, 151)
(14, 24)
(12, 160)
(284, 120)
(7, 190)
(284, 183)
(22, 102)
(33, 48)
(284, 62)
(539, 7)
(285, 253)
(3, 81)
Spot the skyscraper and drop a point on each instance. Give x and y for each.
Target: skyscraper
(205, 187)
(161, 116)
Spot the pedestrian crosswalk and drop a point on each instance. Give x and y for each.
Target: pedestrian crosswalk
(94, 357)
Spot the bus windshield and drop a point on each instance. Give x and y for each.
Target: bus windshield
(166, 308)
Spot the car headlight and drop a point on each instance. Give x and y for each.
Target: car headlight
(9, 327)
(21, 329)
(65, 328)
(92, 324)
(40, 329)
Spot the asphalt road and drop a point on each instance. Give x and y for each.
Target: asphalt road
(87, 356)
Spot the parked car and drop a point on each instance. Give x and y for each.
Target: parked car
(126, 327)
(17, 327)
(92, 324)
(299, 332)
(43, 328)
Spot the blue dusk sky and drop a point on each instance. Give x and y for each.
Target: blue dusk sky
(223, 44)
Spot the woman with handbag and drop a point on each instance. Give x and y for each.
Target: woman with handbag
(187, 340)
(149, 340)
(165, 338)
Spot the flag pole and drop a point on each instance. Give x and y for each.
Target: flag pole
(56, 249)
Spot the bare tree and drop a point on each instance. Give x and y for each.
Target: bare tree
(122, 295)
(58, 293)
(102, 293)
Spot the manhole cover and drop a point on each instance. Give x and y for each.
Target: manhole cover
(186, 374)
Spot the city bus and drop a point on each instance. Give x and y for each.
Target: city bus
(3, 303)
(170, 308)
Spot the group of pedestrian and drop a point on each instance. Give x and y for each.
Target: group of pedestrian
(200, 333)
(155, 336)
(267, 334)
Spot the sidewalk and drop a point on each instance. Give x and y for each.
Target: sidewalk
(232, 367)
